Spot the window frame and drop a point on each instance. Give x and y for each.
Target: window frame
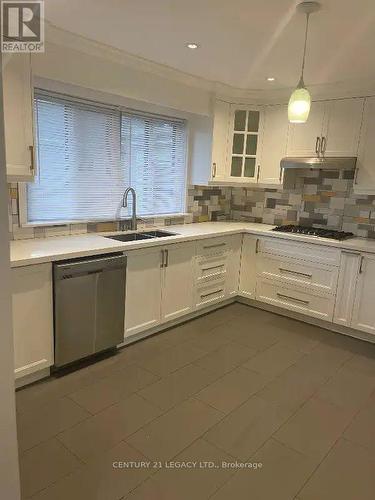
(22, 189)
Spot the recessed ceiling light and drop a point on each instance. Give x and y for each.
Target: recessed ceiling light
(192, 45)
(270, 79)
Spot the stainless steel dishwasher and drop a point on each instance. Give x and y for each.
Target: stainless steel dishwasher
(89, 306)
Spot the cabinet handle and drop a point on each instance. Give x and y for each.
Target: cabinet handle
(166, 258)
(215, 246)
(282, 296)
(258, 173)
(32, 163)
(356, 175)
(317, 145)
(212, 267)
(162, 258)
(347, 252)
(295, 272)
(257, 246)
(214, 170)
(323, 145)
(281, 174)
(361, 264)
(211, 293)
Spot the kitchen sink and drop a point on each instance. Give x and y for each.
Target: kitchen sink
(147, 235)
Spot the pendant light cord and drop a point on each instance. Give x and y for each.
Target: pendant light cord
(304, 48)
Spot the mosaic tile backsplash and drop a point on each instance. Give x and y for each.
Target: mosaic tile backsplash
(318, 198)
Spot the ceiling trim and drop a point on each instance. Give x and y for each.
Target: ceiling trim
(62, 37)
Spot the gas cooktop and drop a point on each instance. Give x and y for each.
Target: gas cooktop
(313, 231)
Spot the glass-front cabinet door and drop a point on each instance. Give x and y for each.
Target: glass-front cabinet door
(245, 143)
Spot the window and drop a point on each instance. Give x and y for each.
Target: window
(88, 154)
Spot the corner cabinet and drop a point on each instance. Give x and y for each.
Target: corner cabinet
(356, 288)
(32, 305)
(245, 143)
(18, 117)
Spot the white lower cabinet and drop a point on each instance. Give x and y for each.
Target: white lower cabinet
(356, 291)
(159, 286)
(177, 281)
(143, 290)
(32, 305)
(247, 280)
(364, 311)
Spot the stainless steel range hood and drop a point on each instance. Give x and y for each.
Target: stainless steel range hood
(322, 163)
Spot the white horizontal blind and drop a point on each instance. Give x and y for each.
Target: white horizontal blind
(89, 154)
(80, 176)
(153, 151)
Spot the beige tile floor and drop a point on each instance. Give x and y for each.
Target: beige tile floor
(236, 386)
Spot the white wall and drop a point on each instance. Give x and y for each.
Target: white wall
(98, 72)
(9, 478)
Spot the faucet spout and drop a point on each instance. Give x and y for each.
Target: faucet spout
(134, 205)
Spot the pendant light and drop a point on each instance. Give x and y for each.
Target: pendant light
(300, 101)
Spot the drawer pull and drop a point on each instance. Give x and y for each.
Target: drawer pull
(204, 295)
(281, 269)
(212, 267)
(347, 252)
(282, 296)
(215, 246)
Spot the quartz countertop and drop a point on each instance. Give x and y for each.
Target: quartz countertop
(54, 248)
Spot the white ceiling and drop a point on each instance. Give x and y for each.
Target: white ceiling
(241, 41)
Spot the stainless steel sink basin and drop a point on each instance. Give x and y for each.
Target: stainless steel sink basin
(140, 236)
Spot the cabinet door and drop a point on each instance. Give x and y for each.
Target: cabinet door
(32, 318)
(342, 127)
(220, 140)
(248, 266)
(302, 138)
(245, 144)
(346, 288)
(233, 266)
(178, 280)
(364, 311)
(18, 117)
(275, 136)
(365, 178)
(143, 290)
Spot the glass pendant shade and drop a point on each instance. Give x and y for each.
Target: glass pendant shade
(299, 105)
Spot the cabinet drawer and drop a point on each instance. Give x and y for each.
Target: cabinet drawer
(294, 299)
(214, 246)
(322, 279)
(210, 293)
(211, 268)
(301, 251)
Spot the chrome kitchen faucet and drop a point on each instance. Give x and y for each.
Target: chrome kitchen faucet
(134, 206)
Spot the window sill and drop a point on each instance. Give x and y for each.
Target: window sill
(96, 221)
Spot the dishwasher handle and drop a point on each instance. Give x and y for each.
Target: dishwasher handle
(82, 267)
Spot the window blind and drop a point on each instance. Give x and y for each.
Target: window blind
(89, 154)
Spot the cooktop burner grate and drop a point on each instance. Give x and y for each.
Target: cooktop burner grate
(313, 231)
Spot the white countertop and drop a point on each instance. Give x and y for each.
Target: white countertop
(54, 248)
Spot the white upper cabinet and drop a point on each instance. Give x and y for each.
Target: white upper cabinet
(332, 129)
(275, 135)
(245, 144)
(365, 177)
(220, 140)
(304, 138)
(342, 127)
(18, 117)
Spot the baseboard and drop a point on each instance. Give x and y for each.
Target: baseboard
(327, 325)
(32, 377)
(176, 322)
